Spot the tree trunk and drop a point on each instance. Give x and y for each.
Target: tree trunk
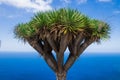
(61, 76)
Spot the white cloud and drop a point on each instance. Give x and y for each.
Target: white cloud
(81, 1)
(104, 0)
(78, 1)
(13, 16)
(66, 1)
(34, 5)
(117, 12)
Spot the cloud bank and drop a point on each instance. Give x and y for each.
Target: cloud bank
(104, 0)
(29, 5)
(81, 1)
(39, 5)
(84, 1)
(117, 12)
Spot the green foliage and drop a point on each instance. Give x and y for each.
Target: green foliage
(24, 31)
(62, 21)
(39, 20)
(72, 20)
(99, 29)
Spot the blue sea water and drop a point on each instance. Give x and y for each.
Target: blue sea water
(30, 66)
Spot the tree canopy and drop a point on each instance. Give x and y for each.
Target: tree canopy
(62, 21)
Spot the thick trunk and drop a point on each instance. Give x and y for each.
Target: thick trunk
(61, 76)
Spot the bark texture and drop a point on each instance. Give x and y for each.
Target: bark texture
(61, 76)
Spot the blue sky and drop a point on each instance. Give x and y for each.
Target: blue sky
(13, 12)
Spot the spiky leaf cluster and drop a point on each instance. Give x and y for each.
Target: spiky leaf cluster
(62, 21)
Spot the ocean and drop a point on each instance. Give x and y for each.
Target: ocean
(31, 66)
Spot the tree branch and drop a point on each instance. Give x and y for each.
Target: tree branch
(75, 54)
(71, 59)
(52, 43)
(48, 52)
(49, 58)
(51, 61)
(77, 41)
(60, 55)
(63, 43)
(84, 45)
(36, 45)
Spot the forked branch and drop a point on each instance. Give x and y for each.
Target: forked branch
(46, 53)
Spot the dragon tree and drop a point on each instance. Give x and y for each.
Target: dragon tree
(58, 30)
